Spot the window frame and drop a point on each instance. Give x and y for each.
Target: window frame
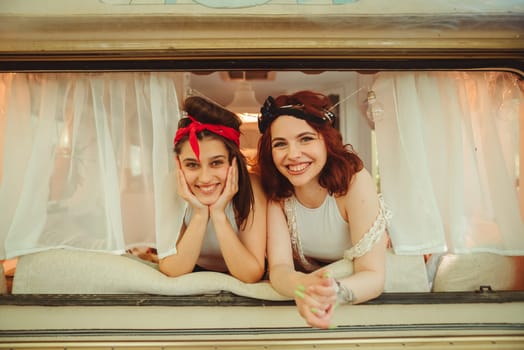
(472, 47)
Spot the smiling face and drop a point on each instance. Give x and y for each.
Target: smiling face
(298, 150)
(206, 178)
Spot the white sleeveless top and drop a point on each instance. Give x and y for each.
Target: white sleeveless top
(210, 254)
(324, 234)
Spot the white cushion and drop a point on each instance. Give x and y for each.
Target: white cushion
(468, 272)
(62, 271)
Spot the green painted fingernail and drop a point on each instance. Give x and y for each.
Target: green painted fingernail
(299, 294)
(327, 274)
(314, 310)
(301, 288)
(332, 326)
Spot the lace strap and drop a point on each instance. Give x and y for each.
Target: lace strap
(298, 253)
(374, 234)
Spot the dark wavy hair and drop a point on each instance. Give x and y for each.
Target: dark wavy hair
(207, 112)
(342, 161)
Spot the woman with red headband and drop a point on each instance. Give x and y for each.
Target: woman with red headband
(322, 207)
(224, 226)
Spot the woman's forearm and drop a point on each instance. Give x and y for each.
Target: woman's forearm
(364, 285)
(241, 262)
(188, 249)
(285, 279)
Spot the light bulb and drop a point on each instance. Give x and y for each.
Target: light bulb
(244, 103)
(375, 110)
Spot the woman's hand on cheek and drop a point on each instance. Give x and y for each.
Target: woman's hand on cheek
(185, 192)
(230, 188)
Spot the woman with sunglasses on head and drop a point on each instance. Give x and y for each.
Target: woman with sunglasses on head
(224, 227)
(322, 206)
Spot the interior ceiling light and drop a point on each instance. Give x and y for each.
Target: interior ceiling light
(244, 103)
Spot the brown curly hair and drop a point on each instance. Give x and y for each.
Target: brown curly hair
(342, 161)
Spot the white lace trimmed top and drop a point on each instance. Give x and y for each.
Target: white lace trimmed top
(322, 234)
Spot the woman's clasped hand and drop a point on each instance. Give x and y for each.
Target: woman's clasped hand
(317, 301)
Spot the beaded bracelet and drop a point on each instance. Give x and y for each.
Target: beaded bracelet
(344, 294)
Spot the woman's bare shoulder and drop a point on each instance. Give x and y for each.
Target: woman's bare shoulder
(362, 183)
(362, 193)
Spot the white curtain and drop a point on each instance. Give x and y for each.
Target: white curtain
(448, 148)
(87, 161)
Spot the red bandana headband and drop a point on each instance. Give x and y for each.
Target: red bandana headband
(196, 127)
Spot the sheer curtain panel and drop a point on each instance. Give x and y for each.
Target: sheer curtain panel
(87, 161)
(448, 148)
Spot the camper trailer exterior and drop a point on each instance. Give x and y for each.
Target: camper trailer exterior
(311, 36)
